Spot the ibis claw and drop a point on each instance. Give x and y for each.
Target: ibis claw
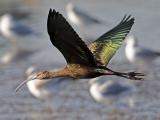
(136, 76)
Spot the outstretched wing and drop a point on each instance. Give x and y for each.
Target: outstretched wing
(66, 40)
(106, 46)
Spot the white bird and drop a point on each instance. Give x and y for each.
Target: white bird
(138, 55)
(109, 92)
(79, 17)
(48, 90)
(11, 28)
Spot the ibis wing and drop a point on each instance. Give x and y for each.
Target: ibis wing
(66, 40)
(106, 46)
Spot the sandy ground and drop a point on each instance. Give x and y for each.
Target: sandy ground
(74, 101)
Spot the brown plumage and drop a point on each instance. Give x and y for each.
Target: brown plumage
(83, 61)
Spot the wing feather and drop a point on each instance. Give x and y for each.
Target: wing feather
(66, 40)
(106, 46)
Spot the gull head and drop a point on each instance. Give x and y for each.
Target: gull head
(69, 6)
(6, 23)
(6, 19)
(131, 41)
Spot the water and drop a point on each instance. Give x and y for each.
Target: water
(75, 101)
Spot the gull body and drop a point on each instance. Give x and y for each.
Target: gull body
(38, 89)
(11, 28)
(47, 89)
(110, 91)
(80, 17)
(139, 55)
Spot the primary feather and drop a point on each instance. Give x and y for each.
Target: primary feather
(106, 46)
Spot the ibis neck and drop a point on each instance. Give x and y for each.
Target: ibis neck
(58, 73)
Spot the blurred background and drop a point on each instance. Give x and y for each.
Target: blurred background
(28, 44)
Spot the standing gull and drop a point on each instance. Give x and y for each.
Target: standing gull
(11, 29)
(84, 61)
(138, 55)
(48, 90)
(109, 91)
(80, 17)
(44, 89)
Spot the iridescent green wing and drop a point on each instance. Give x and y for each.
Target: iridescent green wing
(106, 46)
(66, 40)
